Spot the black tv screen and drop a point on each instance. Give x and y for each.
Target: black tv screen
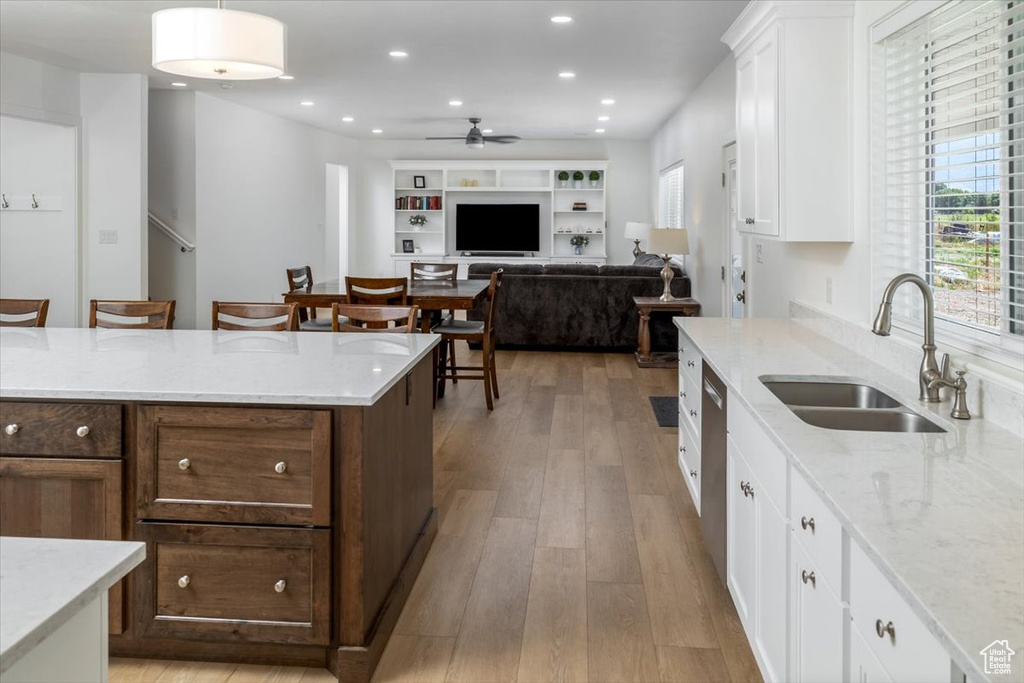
(497, 227)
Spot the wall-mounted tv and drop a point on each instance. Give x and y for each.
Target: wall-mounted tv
(497, 227)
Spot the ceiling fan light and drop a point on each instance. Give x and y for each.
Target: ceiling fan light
(475, 144)
(222, 44)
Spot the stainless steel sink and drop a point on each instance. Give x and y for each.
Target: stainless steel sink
(846, 404)
(866, 420)
(829, 394)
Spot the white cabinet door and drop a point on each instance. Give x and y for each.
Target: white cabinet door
(741, 517)
(864, 666)
(770, 615)
(757, 156)
(746, 130)
(816, 623)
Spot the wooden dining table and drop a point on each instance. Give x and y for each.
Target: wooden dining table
(428, 295)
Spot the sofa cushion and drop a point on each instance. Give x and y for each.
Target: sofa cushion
(645, 259)
(485, 269)
(570, 269)
(632, 271)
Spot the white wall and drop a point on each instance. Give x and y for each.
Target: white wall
(114, 184)
(38, 257)
(260, 201)
(627, 198)
(172, 199)
(696, 134)
(36, 90)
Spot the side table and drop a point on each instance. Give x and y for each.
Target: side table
(646, 305)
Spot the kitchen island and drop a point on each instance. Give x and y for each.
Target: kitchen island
(281, 481)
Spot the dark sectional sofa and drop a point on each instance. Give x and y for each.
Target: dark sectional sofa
(578, 306)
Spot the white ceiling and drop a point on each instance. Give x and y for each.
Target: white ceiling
(501, 57)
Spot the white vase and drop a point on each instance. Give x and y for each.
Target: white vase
(593, 183)
(578, 250)
(563, 183)
(578, 184)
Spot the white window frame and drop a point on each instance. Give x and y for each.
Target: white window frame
(665, 213)
(998, 346)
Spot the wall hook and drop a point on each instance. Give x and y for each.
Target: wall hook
(4, 204)
(35, 202)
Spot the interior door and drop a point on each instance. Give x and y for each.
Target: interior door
(734, 272)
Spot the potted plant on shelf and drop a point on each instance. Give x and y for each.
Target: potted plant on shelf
(578, 242)
(577, 179)
(417, 221)
(595, 178)
(563, 178)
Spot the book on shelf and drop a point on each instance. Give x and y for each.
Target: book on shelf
(429, 202)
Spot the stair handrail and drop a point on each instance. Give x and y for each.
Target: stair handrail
(180, 240)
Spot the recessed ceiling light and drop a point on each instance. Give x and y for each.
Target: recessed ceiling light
(603, 118)
(599, 130)
(561, 19)
(347, 119)
(567, 74)
(455, 103)
(306, 103)
(486, 131)
(177, 84)
(286, 77)
(608, 101)
(376, 131)
(398, 53)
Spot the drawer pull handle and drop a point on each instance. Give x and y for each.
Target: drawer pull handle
(883, 629)
(184, 581)
(12, 429)
(693, 473)
(83, 431)
(693, 413)
(808, 577)
(807, 522)
(280, 586)
(690, 363)
(184, 464)
(281, 467)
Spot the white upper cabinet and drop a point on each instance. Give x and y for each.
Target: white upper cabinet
(793, 126)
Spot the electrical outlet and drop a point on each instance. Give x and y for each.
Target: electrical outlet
(828, 289)
(108, 236)
(759, 252)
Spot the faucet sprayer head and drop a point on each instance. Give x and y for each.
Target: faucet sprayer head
(883, 321)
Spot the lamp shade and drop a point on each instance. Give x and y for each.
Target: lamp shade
(637, 231)
(208, 42)
(668, 241)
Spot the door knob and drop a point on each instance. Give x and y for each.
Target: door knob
(83, 431)
(281, 467)
(184, 464)
(184, 581)
(741, 297)
(12, 429)
(280, 586)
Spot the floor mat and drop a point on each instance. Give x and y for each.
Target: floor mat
(666, 410)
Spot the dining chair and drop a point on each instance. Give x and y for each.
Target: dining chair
(302, 278)
(270, 317)
(159, 315)
(478, 331)
(373, 318)
(13, 312)
(377, 291)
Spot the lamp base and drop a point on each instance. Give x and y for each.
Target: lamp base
(636, 248)
(666, 277)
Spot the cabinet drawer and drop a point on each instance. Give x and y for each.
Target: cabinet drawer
(764, 457)
(690, 360)
(911, 652)
(689, 464)
(689, 404)
(234, 465)
(67, 430)
(254, 584)
(817, 530)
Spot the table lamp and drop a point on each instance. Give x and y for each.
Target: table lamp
(668, 241)
(637, 232)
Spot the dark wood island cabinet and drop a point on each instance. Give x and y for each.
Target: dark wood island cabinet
(278, 530)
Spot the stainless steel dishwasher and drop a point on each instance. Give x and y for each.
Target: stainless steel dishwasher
(713, 468)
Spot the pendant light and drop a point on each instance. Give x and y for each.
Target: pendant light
(218, 43)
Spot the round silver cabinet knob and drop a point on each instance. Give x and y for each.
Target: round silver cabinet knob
(693, 473)
(184, 464)
(184, 581)
(12, 429)
(807, 523)
(280, 586)
(83, 431)
(885, 629)
(281, 467)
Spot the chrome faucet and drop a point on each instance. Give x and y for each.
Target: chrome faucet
(931, 377)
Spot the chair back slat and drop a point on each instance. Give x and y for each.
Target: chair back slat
(23, 312)
(268, 317)
(373, 318)
(159, 315)
(299, 278)
(377, 291)
(434, 271)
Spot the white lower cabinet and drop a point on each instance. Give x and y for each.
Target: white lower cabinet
(864, 666)
(741, 521)
(816, 623)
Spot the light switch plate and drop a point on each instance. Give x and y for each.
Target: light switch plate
(759, 250)
(108, 236)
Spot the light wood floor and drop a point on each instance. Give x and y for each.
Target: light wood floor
(568, 547)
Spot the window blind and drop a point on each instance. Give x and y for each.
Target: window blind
(670, 198)
(947, 118)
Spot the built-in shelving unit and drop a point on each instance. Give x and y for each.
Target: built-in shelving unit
(533, 182)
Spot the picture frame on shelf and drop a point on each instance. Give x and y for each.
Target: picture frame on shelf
(408, 247)
(419, 182)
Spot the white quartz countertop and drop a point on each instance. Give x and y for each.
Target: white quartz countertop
(941, 514)
(45, 581)
(303, 368)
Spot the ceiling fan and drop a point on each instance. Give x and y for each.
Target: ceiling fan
(475, 139)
